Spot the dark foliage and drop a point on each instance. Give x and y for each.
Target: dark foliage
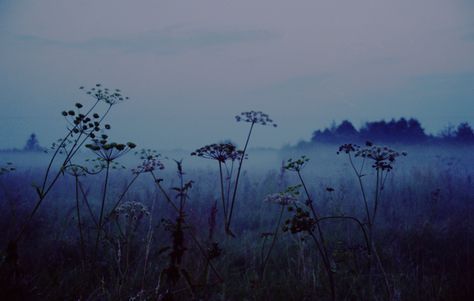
(394, 131)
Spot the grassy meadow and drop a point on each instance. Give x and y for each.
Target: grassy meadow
(97, 220)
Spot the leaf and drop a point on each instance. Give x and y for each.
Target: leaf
(38, 191)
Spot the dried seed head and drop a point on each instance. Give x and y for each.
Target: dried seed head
(255, 117)
(219, 151)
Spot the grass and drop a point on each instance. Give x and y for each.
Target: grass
(329, 228)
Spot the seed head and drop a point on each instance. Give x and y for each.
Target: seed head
(283, 199)
(255, 117)
(150, 161)
(219, 151)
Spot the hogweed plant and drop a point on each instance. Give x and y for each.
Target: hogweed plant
(283, 199)
(307, 220)
(78, 171)
(382, 160)
(127, 218)
(107, 152)
(254, 118)
(225, 154)
(83, 123)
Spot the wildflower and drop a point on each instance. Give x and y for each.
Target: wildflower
(348, 148)
(255, 117)
(132, 211)
(109, 151)
(296, 165)
(283, 199)
(383, 157)
(150, 161)
(300, 222)
(76, 170)
(105, 95)
(220, 152)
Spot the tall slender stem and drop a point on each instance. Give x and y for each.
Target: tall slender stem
(79, 222)
(102, 207)
(234, 194)
(323, 247)
(361, 185)
(223, 193)
(275, 234)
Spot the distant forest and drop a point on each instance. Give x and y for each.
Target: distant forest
(407, 131)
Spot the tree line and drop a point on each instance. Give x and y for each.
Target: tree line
(393, 131)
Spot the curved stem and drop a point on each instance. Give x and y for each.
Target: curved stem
(359, 223)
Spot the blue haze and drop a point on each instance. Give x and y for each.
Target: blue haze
(190, 66)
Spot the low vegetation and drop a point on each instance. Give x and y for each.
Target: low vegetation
(93, 229)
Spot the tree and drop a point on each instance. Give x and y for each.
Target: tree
(346, 129)
(464, 133)
(32, 144)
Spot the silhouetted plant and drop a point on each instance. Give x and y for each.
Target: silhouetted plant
(307, 221)
(382, 159)
(252, 117)
(108, 152)
(127, 218)
(283, 200)
(78, 171)
(222, 153)
(173, 273)
(82, 126)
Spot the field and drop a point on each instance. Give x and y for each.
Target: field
(165, 238)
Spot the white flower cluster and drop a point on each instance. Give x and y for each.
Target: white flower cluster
(283, 199)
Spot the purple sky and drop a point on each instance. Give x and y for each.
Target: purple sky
(190, 66)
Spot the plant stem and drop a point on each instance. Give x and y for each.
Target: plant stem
(234, 194)
(223, 193)
(79, 222)
(102, 207)
(267, 257)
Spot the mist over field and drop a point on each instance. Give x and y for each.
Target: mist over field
(237, 150)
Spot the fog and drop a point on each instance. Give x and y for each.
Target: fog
(190, 66)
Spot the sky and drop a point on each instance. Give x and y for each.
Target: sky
(190, 66)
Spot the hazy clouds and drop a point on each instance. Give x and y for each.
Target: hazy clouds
(190, 66)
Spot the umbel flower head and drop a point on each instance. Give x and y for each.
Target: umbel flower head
(132, 211)
(255, 117)
(296, 165)
(383, 157)
(220, 152)
(109, 151)
(283, 199)
(110, 97)
(76, 170)
(82, 122)
(150, 161)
